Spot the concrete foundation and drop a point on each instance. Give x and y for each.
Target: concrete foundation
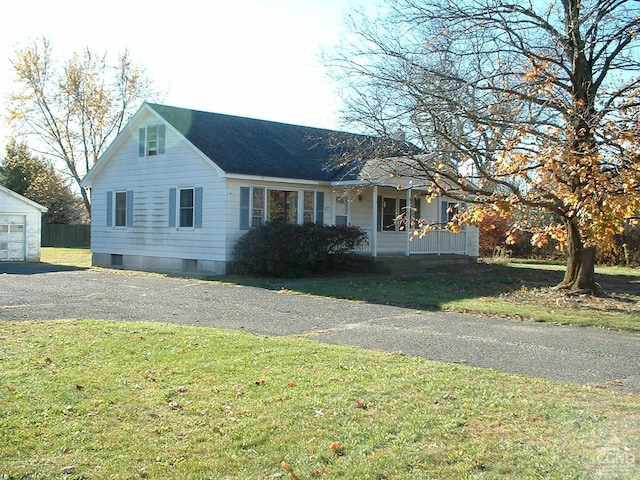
(159, 264)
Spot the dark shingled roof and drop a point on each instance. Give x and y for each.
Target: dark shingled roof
(258, 147)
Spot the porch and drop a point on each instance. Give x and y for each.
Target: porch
(385, 212)
(404, 253)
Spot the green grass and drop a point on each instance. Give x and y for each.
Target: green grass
(519, 289)
(124, 400)
(70, 257)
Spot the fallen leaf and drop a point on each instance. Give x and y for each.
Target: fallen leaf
(11, 389)
(292, 384)
(285, 465)
(362, 404)
(338, 449)
(149, 375)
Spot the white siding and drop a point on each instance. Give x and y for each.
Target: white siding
(150, 179)
(15, 211)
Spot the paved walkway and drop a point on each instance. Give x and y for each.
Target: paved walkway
(572, 354)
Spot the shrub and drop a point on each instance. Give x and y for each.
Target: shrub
(282, 250)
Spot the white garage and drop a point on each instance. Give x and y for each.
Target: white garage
(20, 220)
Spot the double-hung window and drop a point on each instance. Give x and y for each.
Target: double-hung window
(308, 209)
(185, 207)
(257, 207)
(120, 208)
(151, 141)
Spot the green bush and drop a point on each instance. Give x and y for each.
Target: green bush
(282, 250)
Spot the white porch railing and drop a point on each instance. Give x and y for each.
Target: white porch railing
(439, 242)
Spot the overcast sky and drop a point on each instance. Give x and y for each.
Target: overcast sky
(254, 58)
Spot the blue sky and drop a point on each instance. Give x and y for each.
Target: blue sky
(254, 58)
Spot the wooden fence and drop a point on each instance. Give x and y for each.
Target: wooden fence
(78, 236)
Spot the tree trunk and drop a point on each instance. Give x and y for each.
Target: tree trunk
(86, 200)
(580, 273)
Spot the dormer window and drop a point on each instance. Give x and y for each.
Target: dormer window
(152, 141)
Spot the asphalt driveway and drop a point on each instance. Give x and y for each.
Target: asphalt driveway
(572, 354)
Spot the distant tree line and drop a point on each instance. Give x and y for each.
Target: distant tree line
(36, 179)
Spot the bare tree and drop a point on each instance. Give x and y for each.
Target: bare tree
(529, 105)
(74, 108)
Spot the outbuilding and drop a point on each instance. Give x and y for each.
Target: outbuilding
(20, 227)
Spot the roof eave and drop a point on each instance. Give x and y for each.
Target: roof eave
(264, 178)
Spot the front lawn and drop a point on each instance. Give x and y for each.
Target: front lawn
(118, 400)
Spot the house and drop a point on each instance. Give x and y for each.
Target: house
(177, 188)
(20, 223)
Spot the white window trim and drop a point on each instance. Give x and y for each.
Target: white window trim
(160, 146)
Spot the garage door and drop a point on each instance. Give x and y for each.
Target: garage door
(12, 238)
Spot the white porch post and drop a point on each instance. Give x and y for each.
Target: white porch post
(407, 219)
(374, 233)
